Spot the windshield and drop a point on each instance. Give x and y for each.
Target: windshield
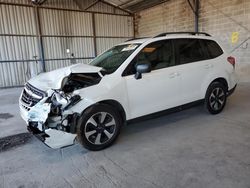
(113, 58)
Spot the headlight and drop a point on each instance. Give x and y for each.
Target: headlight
(59, 99)
(61, 102)
(73, 100)
(58, 102)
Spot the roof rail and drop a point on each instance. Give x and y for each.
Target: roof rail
(136, 39)
(187, 32)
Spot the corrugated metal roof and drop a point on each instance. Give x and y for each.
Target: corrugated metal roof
(123, 3)
(131, 6)
(135, 5)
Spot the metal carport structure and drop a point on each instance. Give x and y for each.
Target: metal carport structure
(39, 35)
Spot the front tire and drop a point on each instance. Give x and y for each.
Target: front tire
(99, 127)
(216, 97)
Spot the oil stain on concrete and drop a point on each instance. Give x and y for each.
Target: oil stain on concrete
(5, 116)
(13, 141)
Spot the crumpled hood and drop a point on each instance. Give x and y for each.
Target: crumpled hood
(53, 79)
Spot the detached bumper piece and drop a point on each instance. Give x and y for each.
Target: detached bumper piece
(51, 137)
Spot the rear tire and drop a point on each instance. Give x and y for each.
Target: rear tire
(99, 127)
(216, 97)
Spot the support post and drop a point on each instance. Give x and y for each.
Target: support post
(40, 38)
(94, 33)
(134, 29)
(196, 14)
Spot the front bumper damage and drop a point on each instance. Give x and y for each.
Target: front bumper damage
(54, 131)
(48, 109)
(52, 137)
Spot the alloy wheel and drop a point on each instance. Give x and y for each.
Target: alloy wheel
(100, 128)
(217, 98)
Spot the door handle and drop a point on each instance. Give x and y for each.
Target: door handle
(174, 74)
(208, 66)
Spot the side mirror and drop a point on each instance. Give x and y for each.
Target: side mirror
(142, 68)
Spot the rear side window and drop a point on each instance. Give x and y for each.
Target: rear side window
(189, 50)
(214, 50)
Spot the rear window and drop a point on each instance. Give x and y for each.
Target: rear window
(214, 50)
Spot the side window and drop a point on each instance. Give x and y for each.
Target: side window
(159, 54)
(214, 50)
(189, 50)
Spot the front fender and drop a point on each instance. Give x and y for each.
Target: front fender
(101, 92)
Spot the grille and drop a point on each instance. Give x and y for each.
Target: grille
(31, 96)
(35, 90)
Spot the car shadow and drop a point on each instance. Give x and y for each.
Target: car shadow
(163, 120)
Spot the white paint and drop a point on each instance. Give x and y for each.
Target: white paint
(39, 112)
(59, 139)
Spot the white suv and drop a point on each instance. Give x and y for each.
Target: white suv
(131, 80)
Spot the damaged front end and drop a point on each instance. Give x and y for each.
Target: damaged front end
(47, 121)
(49, 116)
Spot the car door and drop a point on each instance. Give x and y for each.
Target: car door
(193, 67)
(157, 90)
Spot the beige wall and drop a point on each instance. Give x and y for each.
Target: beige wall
(219, 18)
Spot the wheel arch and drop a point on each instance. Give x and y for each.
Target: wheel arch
(113, 103)
(221, 80)
(116, 105)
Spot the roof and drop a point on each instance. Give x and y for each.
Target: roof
(129, 6)
(135, 5)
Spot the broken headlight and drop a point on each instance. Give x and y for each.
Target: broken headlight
(60, 102)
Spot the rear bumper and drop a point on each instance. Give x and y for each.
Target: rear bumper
(230, 92)
(52, 137)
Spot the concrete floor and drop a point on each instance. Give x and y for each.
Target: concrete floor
(187, 149)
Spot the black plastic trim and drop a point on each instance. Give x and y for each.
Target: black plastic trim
(37, 133)
(230, 92)
(191, 33)
(166, 112)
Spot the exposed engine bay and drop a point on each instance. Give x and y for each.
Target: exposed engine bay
(77, 81)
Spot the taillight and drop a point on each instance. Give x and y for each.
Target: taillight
(231, 60)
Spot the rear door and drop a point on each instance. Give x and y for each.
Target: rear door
(193, 67)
